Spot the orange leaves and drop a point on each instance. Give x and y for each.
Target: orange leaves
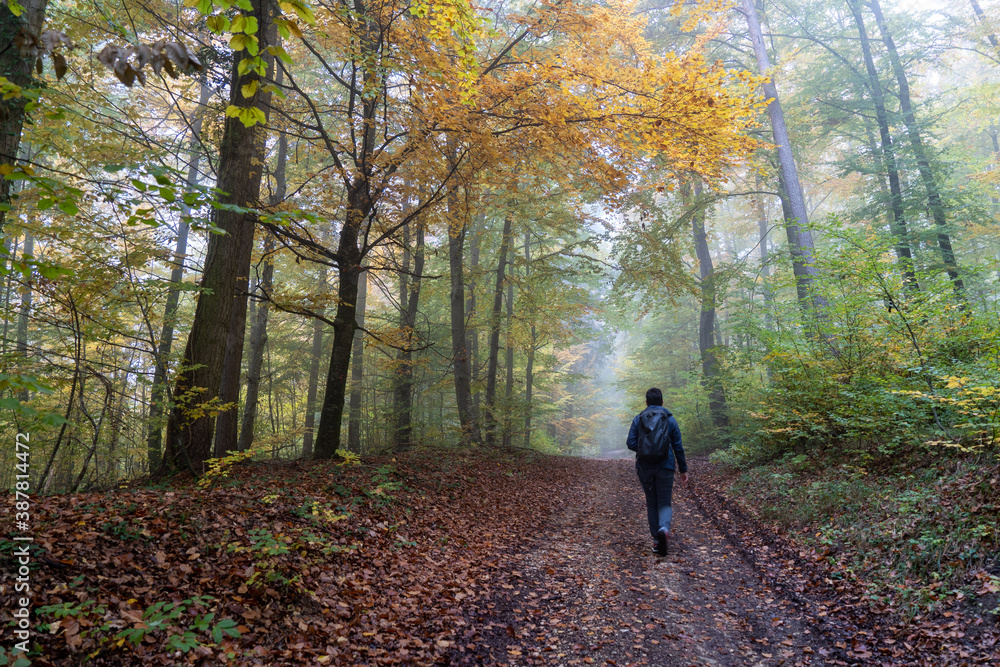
(596, 85)
(388, 584)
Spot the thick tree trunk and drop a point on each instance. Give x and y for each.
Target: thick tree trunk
(154, 437)
(226, 438)
(931, 186)
(800, 243)
(899, 229)
(357, 370)
(706, 326)
(359, 206)
(460, 353)
(258, 332)
(17, 70)
(314, 355)
(232, 364)
(227, 267)
(404, 358)
(494, 350)
(359, 203)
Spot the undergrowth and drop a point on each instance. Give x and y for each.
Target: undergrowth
(917, 534)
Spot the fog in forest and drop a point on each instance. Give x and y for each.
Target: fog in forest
(784, 216)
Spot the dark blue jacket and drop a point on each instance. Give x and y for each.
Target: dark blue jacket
(676, 450)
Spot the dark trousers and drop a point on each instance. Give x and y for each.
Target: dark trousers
(658, 485)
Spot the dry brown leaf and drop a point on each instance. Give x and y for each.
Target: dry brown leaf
(59, 63)
(108, 56)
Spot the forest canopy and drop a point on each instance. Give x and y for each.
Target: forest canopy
(282, 230)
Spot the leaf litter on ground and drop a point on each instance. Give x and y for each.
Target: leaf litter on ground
(444, 556)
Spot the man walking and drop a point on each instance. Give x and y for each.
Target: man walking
(655, 438)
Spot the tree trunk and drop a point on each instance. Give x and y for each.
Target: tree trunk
(888, 156)
(934, 202)
(24, 312)
(17, 70)
(357, 370)
(258, 343)
(800, 244)
(9, 248)
(404, 358)
(472, 330)
(710, 371)
(494, 351)
(358, 207)
(227, 267)
(765, 261)
(530, 366)
(314, 355)
(508, 422)
(154, 436)
(979, 15)
(258, 332)
(460, 353)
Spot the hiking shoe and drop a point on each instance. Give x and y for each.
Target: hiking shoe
(661, 542)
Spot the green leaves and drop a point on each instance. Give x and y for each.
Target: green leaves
(218, 23)
(252, 65)
(225, 627)
(244, 42)
(245, 24)
(69, 207)
(249, 116)
(279, 52)
(300, 9)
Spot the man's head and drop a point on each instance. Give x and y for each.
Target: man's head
(654, 397)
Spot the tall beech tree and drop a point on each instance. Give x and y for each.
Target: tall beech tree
(800, 243)
(508, 421)
(410, 305)
(927, 176)
(711, 370)
(357, 369)
(214, 332)
(888, 153)
(265, 289)
(529, 367)
(495, 325)
(461, 358)
(315, 354)
(160, 389)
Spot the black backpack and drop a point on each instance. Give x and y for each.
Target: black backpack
(654, 444)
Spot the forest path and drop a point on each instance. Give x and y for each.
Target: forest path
(587, 589)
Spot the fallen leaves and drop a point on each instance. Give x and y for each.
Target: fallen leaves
(414, 575)
(386, 582)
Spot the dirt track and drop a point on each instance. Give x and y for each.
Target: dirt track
(587, 590)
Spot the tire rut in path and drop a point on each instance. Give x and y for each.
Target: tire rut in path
(587, 589)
